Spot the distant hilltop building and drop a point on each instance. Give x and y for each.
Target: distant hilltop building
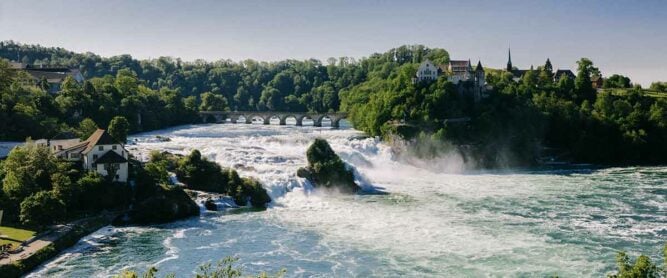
(54, 76)
(459, 72)
(518, 73)
(427, 71)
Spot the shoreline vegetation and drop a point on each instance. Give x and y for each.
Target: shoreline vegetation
(60, 200)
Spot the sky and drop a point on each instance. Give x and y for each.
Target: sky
(625, 37)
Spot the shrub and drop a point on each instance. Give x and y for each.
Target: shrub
(41, 209)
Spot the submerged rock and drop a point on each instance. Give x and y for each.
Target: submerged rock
(326, 169)
(210, 205)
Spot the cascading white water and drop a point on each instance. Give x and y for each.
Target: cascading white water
(523, 223)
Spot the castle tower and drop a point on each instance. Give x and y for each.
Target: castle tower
(480, 82)
(479, 75)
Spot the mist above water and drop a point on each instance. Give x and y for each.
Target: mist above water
(438, 219)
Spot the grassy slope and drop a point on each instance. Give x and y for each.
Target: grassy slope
(14, 236)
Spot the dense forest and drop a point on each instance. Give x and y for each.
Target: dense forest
(517, 123)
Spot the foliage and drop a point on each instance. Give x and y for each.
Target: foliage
(659, 87)
(86, 128)
(199, 173)
(641, 268)
(225, 268)
(41, 209)
(326, 169)
(119, 128)
(28, 169)
(617, 81)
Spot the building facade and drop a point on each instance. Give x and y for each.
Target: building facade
(427, 71)
(100, 153)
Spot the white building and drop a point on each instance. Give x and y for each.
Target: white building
(100, 153)
(427, 71)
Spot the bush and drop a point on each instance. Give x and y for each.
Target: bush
(99, 194)
(326, 169)
(41, 209)
(642, 267)
(200, 174)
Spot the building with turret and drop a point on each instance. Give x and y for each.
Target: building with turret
(459, 72)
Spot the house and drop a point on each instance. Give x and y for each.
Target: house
(560, 73)
(54, 76)
(100, 153)
(427, 71)
(62, 141)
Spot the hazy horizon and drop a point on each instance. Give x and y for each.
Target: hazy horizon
(620, 37)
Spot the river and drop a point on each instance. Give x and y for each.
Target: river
(432, 223)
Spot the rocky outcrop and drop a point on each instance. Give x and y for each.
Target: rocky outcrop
(168, 203)
(326, 170)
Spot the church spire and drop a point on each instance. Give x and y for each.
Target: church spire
(509, 60)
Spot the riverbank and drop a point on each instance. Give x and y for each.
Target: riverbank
(50, 244)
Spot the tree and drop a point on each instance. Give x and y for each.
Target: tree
(548, 67)
(617, 81)
(213, 102)
(582, 83)
(659, 86)
(41, 209)
(86, 128)
(119, 128)
(28, 169)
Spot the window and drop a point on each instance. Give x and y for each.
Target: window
(101, 148)
(113, 147)
(94, 157)
(117, 177)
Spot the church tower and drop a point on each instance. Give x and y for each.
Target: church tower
(509, 60)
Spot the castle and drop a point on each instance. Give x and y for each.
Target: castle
(459, 72)
(469, 80)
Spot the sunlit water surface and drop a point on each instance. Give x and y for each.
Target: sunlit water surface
(568, 222)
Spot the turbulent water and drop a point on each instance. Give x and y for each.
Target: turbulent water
(568, 222)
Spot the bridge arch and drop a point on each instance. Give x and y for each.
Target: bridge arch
(266, 116)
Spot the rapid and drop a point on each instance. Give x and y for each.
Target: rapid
(430, 223)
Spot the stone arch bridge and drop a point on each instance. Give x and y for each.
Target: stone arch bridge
(266, 116)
